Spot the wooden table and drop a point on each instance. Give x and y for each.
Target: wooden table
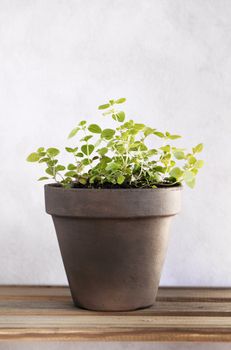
(180, 314)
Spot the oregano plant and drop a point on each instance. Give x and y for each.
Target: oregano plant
(120, 157)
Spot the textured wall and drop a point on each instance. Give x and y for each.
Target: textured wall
(59, 59)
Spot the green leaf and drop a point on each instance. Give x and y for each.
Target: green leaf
(132, 131)
(159, 169)
(98, 142)
(33, 157)
(82, 123)
(120, 179)
(166, 148)
(128, 124)
(114, 116)
(188, 176)
(82, 180)
(179, 155)
(42, 154)
(60, 168)
(158, 133)
(133, 147)
(152, 152)
(71, 167)
(71, 173)
(44, 160)
(86, 138)
(108, 134)
(102, 151)
(110, 111)
(86, 161)
(104, 161)
(40, 149)
(73, 132)
(92, 179)
(121, 149)
(79, 154)
(66, 183)
(138, 126)
(199, 164)
(87, 149)
(120, 100)
(191, 183)
(113, 166)
(165, 158)
(198, 148)
(194, 171)
(105, 106)
(176, 172)
(174, 137)
(148, 131)
(43, 178)
(143, 147)
(71, 150)
(120, 116)
(191, 160)
(53, 151)
(50, 171)
(52, 162)
(96, 129)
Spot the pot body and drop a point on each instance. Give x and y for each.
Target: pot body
(113, 242)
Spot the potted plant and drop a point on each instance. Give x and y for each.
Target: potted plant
(112, 206)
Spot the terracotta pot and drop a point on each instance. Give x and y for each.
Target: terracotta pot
(113, 242)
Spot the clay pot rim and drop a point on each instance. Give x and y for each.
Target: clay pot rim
(60, 188)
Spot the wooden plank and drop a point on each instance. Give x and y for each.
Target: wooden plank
(34, 292)
(65, 308)
(180, 314)
(116, 328)
(194, 294)
(164, 293)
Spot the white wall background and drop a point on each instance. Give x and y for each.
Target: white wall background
(59, 59)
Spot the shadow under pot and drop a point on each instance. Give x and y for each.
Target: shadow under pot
(113, 242)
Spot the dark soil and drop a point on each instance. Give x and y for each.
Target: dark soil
(116, 186)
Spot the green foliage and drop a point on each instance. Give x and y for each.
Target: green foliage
(104, 106)
(87, 149)
(198, 148)
(53, 151)
(33, 157)
(120, 157)
(73, 132)
(96, 129)
(108, 134)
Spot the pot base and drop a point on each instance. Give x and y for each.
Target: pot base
(112, 310)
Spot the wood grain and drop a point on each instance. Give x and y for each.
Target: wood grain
(180, 314)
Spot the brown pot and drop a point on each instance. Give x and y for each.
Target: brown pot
(113, 242)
